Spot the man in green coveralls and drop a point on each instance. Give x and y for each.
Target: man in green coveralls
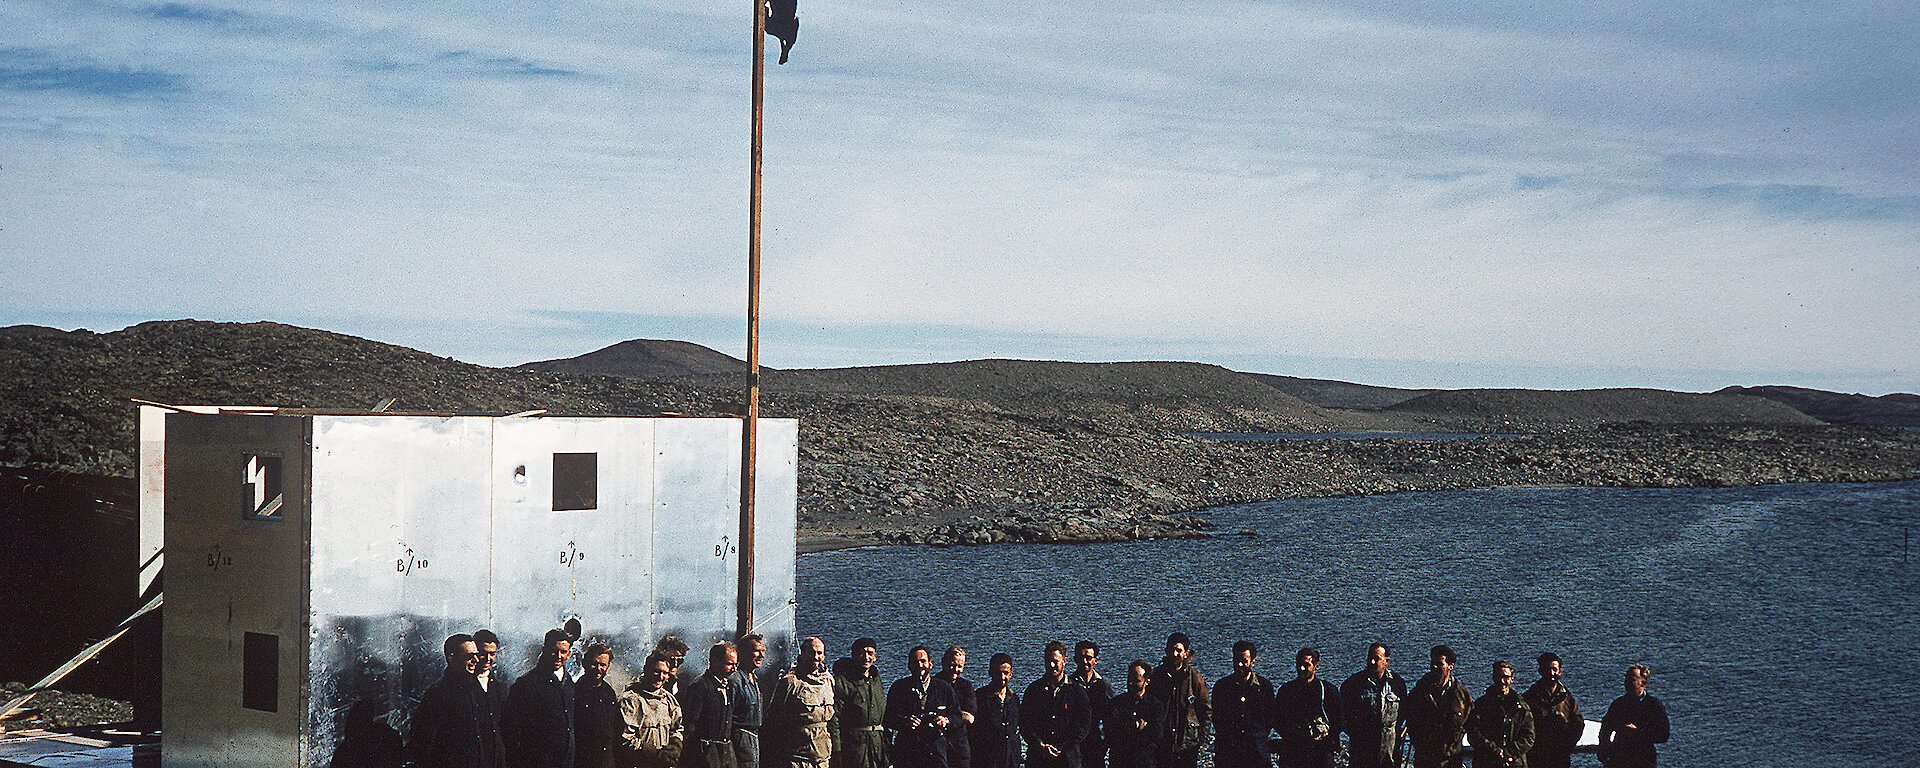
(860, 708)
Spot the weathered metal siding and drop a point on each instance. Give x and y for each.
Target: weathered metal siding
(229, 576)
(421, 527)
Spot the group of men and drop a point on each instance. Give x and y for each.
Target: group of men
(734, 716)
(549, 719)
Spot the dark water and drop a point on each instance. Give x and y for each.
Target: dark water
(1780, 621)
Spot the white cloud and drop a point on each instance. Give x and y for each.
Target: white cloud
(1550, 184)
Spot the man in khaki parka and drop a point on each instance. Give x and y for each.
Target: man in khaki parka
(798, 712)
(652, 736)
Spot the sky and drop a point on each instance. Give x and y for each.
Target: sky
(1546, 194)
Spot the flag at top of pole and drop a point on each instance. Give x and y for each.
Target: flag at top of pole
(783, 21)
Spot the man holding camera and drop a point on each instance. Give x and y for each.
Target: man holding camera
(920, 707)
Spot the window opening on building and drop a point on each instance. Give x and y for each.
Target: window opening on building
(262, 495)
(260, 672)
(576, 481)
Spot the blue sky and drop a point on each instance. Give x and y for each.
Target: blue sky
(1528, 194)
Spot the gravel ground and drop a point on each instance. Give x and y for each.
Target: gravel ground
(59, 709)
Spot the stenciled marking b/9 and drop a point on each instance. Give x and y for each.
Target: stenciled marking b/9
(571, 555)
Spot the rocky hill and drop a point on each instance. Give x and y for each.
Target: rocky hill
(1190, 397)
(646, 359)
(1897, 410)
(984, 450)
(1338, 394)
(1529, 410)
(66, 398)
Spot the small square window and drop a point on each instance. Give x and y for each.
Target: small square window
(576, 481)
(262, 497)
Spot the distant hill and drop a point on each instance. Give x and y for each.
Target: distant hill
(65, 397)
(1338, 394)
(1526, 408)
(1896, 410)
(646, 359)
(36, 331)
(1155, 392)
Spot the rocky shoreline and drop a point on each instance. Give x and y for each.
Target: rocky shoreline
(1036, 486)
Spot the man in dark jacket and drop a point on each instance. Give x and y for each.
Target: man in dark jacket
(744, 687)
(959, 749)
(1242, 713)
(1135, 721)
(596, 710)
(1054, 716)
(1370, 701)
(451, 728)
(1437, 713)
(538, 722)
(1086, 656)
(1557, 722)
(1306, 713)
(1501, 724)
(493, 679)
(706, 709)
(995, 736)
(920, 708)
(860, 709)
(1633, 724)
(1183, 691)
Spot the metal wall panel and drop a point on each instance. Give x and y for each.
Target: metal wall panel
(589, 564)
(696, 531)
(775, 498)
(153, 498)
(230, 576)
(400, 538)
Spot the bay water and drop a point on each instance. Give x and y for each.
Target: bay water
(1780, 621)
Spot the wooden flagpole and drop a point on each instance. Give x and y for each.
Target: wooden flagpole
(749, 428)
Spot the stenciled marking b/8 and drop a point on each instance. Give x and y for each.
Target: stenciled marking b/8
(724, 548)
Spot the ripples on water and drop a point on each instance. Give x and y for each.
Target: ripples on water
(1779, 621)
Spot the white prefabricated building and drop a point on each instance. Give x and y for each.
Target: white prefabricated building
(316, 561)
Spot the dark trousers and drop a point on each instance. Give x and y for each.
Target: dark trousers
(1179, 758)
(1548, 758)
(1093, 754)
(708, 753)
(746, 749)
(1303, 756)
